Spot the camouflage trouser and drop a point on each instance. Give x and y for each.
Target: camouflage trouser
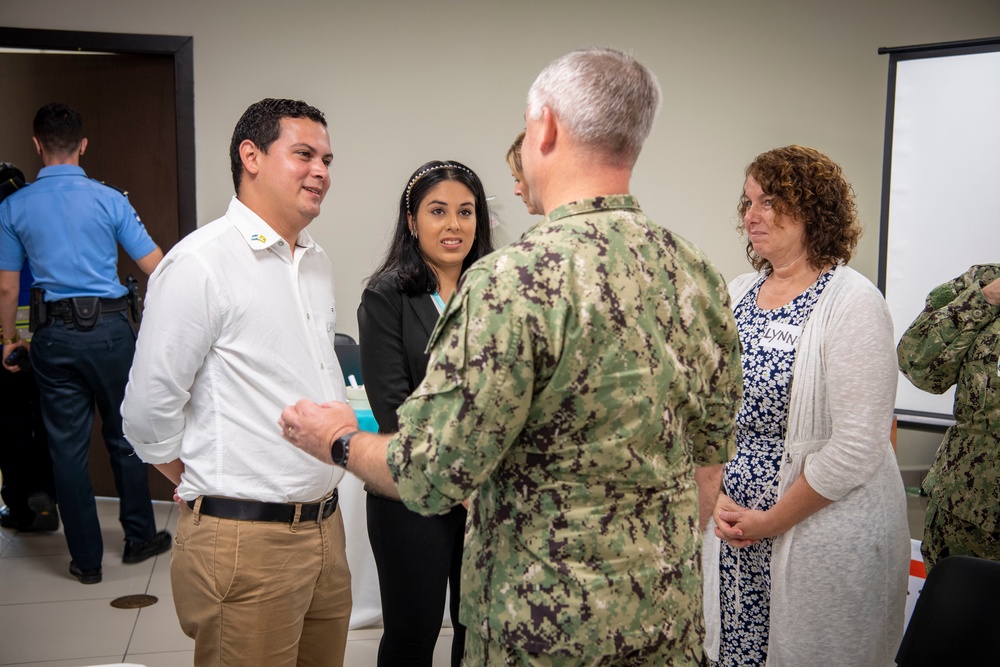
(947, 535)
(481, 653)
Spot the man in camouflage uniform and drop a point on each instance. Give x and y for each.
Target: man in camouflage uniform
(956, 341)
(576, 381)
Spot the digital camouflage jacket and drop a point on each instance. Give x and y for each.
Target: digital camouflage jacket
(576, 379)
(956, 341)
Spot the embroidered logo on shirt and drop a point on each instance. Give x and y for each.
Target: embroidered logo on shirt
(259, 237)
(780, 336)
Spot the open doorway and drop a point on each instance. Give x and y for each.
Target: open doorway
(136, 96)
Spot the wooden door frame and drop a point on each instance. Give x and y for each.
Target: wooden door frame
(179, 48)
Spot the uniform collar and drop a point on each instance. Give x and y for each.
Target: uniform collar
(61, 170)
(591, 205)
(257, 233)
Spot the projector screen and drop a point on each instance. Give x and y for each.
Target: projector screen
(940, 186)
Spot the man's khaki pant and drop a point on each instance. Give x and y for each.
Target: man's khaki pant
(258, 593)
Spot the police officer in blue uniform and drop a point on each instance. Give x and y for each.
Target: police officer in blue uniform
(69, 227)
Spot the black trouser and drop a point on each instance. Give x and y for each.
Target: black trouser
(24, 453)
(75, 369)
(418, 558)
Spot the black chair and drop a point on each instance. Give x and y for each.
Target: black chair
(349, 356)
(956, 616)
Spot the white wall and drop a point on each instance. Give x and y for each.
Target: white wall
(404, 82)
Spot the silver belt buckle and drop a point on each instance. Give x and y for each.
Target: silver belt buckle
(326, 502)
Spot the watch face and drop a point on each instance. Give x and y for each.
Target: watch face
(338, 451)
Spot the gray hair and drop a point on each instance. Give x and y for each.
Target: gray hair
(605, 98)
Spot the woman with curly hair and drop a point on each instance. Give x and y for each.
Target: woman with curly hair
(806, 559)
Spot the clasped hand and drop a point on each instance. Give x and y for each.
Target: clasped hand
(738, 526)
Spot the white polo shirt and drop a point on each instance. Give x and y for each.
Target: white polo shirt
(235, 328)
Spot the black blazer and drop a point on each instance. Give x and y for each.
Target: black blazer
(394, 330)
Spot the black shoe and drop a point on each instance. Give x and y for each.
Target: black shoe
(42, 522)
(136, 552)
(86, 576)
(46, 515)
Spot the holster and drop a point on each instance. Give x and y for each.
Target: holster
(38, 312)
(134, 302)
(85, 311)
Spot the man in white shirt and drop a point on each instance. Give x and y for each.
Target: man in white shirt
(239, 322)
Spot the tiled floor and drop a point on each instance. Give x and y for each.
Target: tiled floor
(48, 619)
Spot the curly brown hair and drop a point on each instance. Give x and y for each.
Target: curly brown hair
(805, 184)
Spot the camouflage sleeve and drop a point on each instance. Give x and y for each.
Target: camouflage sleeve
(933, 348)
(473, 402)
(712, 430)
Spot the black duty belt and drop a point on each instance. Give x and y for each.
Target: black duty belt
(252, 510)
(64, 307)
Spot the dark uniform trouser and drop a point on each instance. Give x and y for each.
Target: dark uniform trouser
(480, 652)
(24, 454)
(418, 558)
(74, 369)
(947, 535)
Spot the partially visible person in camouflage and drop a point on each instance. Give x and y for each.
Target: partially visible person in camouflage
(577, 382)
(956, 341)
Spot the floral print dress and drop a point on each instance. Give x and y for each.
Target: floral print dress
(768, 339)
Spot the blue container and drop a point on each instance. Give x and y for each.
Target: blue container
(366, 420)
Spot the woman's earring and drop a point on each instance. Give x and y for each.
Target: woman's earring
(413, 232)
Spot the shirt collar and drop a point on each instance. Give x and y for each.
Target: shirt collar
(257, 233)
(590, 205)
(61, 170)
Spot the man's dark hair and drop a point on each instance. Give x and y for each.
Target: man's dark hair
(58, 128)
(261, 124)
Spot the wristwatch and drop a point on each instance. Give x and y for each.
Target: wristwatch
(341, 448)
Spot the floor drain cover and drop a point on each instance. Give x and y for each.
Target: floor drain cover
(134, 601)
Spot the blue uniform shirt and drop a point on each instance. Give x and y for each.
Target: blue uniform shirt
(69, 227)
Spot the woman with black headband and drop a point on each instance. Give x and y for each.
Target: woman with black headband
(442, 228)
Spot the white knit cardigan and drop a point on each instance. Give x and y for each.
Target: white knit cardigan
(838, 577)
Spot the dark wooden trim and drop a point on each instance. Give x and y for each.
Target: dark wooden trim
(184, 95)
(108, 42)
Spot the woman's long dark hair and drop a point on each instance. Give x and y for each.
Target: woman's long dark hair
(404, 256)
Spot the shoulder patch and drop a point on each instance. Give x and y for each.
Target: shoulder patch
(113, 187)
